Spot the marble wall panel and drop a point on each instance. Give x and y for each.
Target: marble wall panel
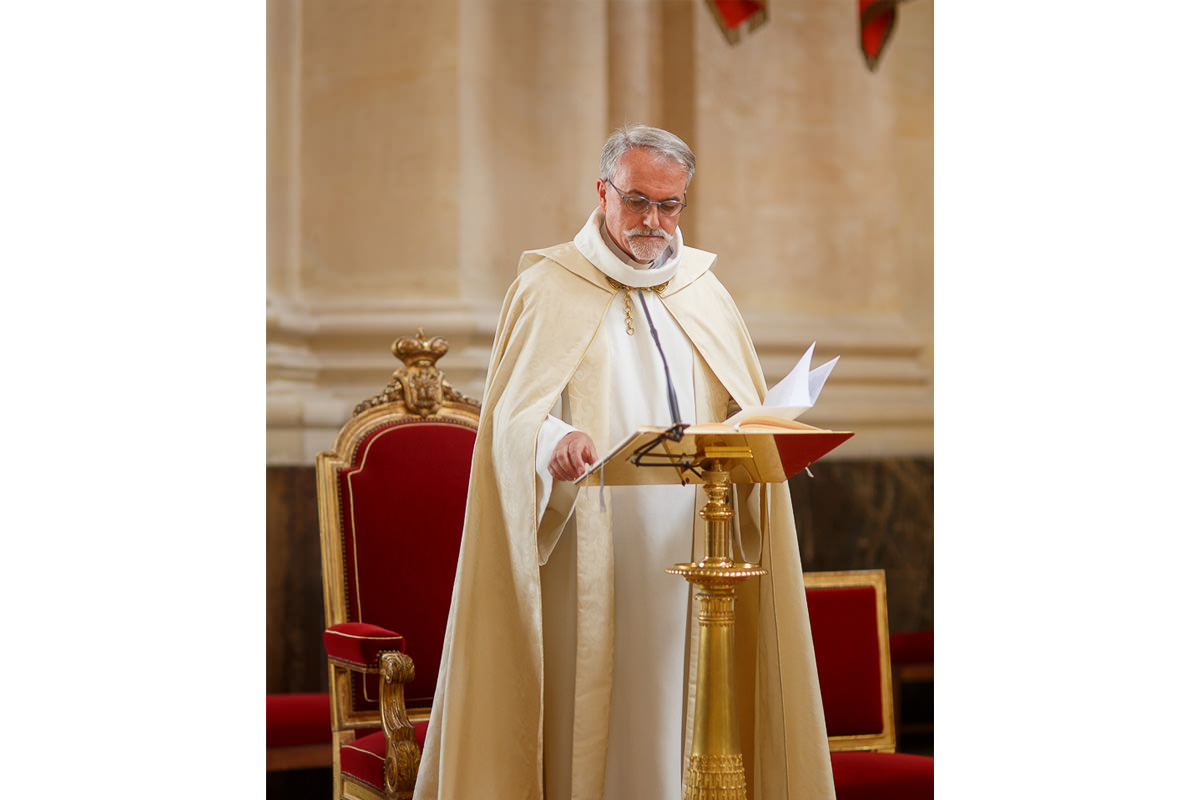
(872, 514)
(295, 603)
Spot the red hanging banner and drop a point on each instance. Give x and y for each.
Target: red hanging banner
(876, 19)
(736, 17)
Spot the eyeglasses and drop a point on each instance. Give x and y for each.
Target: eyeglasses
(640, 205)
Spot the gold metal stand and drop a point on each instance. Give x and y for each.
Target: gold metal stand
(715, 768)
(719, 460)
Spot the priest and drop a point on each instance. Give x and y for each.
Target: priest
(569, 668)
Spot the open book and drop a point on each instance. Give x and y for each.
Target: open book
(772, 444)
(765, 451)
(751, 423)
(789, 398)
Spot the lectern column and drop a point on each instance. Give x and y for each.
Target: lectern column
(715, 768)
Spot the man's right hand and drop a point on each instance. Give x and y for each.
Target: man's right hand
(572, 455)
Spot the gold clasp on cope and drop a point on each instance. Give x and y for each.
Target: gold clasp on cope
(629, 299)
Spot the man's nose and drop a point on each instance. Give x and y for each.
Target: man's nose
(651, 214)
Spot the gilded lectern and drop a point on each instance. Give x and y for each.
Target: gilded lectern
(718, 457)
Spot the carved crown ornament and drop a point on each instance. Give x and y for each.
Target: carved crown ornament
(420, 385)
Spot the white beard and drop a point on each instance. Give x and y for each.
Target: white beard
(645, 249)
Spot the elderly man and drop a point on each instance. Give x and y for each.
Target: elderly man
(569, 668)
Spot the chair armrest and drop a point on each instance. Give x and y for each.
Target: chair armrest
(359, 644)
(369, 648)
(403, 756)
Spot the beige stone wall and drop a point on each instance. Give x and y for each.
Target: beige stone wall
(415, 149)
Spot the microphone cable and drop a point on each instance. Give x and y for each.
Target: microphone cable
(675, 432)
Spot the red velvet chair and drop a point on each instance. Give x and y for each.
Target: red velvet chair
(392, 494)
(848, 613)
(298, 731)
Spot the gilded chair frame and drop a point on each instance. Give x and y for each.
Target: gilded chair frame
(885, 740)
(418, 392)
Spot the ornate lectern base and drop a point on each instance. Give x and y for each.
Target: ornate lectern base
(715, 768)
(719, 777)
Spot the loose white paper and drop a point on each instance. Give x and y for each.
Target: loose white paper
(796, 393)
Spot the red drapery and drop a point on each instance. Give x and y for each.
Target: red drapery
(735, 17)
(876, 19)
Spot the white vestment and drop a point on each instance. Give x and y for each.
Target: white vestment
(534, 693)
(652, 530)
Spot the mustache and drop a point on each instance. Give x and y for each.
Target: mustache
(659, 232)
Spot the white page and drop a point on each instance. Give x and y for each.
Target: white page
(796, 393)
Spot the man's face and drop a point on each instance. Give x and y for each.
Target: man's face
(641, 172)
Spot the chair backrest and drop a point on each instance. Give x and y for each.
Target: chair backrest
(848, 614)
(392, 495)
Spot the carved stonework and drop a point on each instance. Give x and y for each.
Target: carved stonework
(420, 385)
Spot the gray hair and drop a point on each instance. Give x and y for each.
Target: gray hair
(656, 140)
